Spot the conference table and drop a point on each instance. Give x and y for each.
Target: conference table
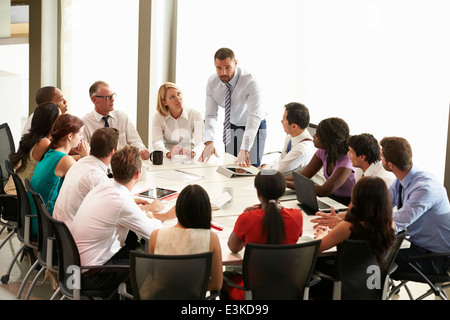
(178, 173)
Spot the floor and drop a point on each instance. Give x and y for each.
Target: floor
(43, 291)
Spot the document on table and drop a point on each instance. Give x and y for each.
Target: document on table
(180, 175)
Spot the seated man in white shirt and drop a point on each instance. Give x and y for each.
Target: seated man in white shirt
(364, 152)
(104, 115)
(104, 218)
(298, 145)
(87, 173)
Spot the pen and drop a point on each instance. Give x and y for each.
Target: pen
(189, 173)
(216, 226)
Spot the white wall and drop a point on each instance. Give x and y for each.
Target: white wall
(103, 35)
(267, 39)
(10, 89)
(383, 66)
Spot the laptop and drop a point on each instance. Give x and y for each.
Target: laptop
(308, 201)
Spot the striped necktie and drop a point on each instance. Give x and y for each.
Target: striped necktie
(106, 121)
(227, 123)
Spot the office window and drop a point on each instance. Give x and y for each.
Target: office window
(266, 37)
(382, 66)
(100, 42)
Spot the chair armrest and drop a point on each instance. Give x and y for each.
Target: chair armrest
(106, 267)
(27, 230)
(213, 295)
(122, 291)
(392, 268)
(315, 279)
(50, 252)
(325, 276)
(428, 256)
(230, 283)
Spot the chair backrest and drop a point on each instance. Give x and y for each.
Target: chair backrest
(45, 230)
(8, 203)
(279, 271)
(6, 147)
(2, 179)
(68, 257)
(359, 272)
(23, 202)
(169, 277)
(312, 129)
(392, 254)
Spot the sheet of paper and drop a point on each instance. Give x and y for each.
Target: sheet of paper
(219, 201)
(179, 176)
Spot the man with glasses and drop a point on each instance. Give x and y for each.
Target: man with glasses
(104, 115)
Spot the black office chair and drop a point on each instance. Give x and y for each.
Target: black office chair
(23, 223)
(6, 147)
(170, 277)
(70, 268)
(46, 258)
(278, 272)
(8, 212)
(312, 129)
(437, 283)
(358, 275)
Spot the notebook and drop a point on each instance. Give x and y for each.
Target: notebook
(308, 201)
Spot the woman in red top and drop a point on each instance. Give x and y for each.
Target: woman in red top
(268, 222)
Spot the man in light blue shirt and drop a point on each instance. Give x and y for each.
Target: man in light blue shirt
(247, 130)
(423, 207)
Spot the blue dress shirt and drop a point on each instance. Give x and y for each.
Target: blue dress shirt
(425, 212)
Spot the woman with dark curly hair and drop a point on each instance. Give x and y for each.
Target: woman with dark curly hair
(331, 141)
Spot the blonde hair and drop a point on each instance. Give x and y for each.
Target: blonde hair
(160, 106)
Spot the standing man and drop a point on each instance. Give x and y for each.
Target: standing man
(238, 93)
(423, 208)
(104, 115)
(364, 152)
(48, 94)
(298, 146)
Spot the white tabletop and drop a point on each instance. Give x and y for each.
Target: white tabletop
(206, 175)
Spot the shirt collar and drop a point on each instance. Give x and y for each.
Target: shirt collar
(99, 117)
(121, 188)
(302, 136)
(184, 114)
(371, 169)
(97, 161)
(407, 179)
(235, 78)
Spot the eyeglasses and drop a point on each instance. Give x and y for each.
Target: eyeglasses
(107, 98)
